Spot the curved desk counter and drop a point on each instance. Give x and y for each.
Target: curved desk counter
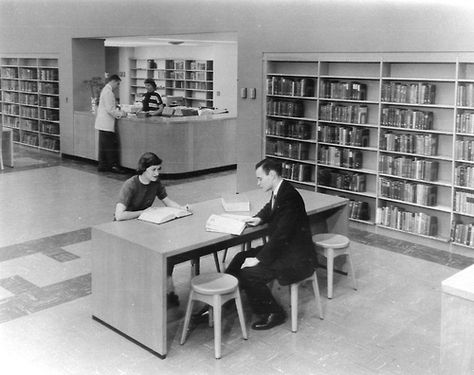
(186, 144)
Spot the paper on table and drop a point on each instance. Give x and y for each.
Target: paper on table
(235, 202)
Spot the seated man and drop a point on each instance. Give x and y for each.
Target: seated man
(288, 255)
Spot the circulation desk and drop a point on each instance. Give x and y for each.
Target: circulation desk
(129, 261)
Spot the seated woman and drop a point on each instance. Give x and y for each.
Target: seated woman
(151, 100)
(138, 193)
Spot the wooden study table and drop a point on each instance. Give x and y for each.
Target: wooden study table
(129, 261)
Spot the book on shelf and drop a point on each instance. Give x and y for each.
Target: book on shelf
(159, 215)
(235, 202)
(225, 224)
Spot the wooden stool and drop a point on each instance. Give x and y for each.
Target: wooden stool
(332, 245)
(294, 300)
(215, 289)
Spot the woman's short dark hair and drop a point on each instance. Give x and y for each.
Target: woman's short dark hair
(147, 160)
(150, 81)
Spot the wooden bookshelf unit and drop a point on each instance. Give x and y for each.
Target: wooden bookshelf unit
(191, 79)
(394, 133)
(30, 100)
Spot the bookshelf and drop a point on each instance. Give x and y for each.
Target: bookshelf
(191, 79)
(30, 101)
(393, 133)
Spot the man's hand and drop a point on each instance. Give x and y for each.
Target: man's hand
(253, 221)
(250, 262)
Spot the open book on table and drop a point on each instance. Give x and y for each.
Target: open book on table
(235, 202)
(159, 215)
(226, 223)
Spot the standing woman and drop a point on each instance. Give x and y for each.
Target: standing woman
(138, 193)
(151, 100)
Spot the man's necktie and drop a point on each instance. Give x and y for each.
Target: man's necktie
(273, 201)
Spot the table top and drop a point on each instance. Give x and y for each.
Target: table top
(461, 284)
(189, 233)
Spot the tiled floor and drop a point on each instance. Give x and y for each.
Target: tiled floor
(390, 325)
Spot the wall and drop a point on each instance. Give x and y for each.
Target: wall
(262, 26)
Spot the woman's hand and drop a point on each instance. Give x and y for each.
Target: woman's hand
(254, 221)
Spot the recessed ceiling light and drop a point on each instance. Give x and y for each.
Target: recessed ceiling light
(175, 42)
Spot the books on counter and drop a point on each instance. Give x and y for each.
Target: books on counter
(159, 215)
(235, 202)
(226, 223)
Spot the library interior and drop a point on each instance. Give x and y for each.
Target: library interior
(365, 105)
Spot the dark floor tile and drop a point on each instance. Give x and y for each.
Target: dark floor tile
(17, 285)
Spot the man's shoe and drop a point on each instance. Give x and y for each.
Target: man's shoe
(202, 315)
(118, 170)
(172, 299)
(268, 321)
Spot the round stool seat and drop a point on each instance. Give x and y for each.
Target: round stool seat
(331, 240)
(214, 283)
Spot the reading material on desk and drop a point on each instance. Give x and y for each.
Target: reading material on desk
(159, 215)
(235, 202)
(225, 224)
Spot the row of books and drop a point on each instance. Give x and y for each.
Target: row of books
(50, 128)
(413, 222)
(463, 234)
(48, 88)
(465, 122)
(343, 90)
(10, 97)
(29, 139)
(356, 114)
(422, 144)
(464, 176)
(464, 202)
(29, 99)
(340, 157)
(31, 125)
(49, 101)
(407, 118)
(412, 93)
(49, 143)
(28, 86)
(29, 111)
(49, 114)
(290, 86)
(293, 150)
(342, 180)
(8, 84)
(408, 167)
(290, 128)
(11, 109)
(344, 135)
(291, 108)
(359, 210)
(9, 73)
(411, 192)
(465, 95)
(28, 73)
(11, 122)
(465, 150)
(48, 74)
(297, 171)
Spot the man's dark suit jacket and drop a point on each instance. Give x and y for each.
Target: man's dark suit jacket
(289, 250)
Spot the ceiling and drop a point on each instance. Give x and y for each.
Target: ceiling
(186, 40)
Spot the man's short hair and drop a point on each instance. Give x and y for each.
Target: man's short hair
(114, 77)
(269, 165)
(147, 160)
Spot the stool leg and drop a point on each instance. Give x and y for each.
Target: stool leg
(216, 261)
(240, 313)
(351, 268)
(224, 258)
(187, 317)
(217, 325)
(294, 306)
(317, 296)
(330, 270)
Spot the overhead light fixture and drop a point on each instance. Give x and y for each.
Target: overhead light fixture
(175, 42)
